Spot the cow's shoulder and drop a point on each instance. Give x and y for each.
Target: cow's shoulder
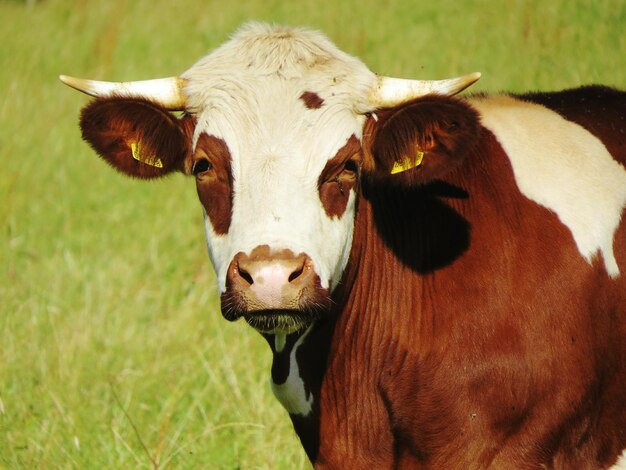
(562, 165)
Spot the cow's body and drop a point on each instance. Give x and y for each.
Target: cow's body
(469, 313)
(480, 335)
(471, 332)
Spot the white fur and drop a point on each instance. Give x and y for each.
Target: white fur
(247, 92)
(292, 394)
(563, 167)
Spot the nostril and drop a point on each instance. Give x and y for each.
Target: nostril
(296, 274)
(245, 275)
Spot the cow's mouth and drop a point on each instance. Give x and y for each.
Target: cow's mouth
(280, 321)
(288, 314)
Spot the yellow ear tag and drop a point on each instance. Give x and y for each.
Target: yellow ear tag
(407, 163)
(135, 148)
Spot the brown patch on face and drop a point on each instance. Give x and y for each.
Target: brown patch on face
(339, 177)
(312, 100)
(211, 167)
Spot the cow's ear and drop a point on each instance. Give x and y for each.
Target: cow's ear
(137, 137)
(419, 141)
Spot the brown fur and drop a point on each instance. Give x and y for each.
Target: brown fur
(312, 100)
(339, 177)
(493, 354)
(111, 125)
(444, 128)
(215, 186)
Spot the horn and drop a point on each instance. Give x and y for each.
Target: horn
(390, 91)
(168, 92)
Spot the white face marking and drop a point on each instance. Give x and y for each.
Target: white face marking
(563, 167)
(247, 93)
(292, 394)
(276, 202)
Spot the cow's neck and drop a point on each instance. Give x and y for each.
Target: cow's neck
(300, 360)
(298, 366)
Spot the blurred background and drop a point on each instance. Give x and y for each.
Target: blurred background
(113, 352)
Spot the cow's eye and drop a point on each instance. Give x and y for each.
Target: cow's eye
(351, 166)
(201, 165)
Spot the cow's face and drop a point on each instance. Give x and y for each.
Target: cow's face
(276, 154)
(279, 201)
(273, 132)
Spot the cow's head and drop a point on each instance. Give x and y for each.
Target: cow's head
(276, 127)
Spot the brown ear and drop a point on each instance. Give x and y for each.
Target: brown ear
(420, 141)
(137, 137)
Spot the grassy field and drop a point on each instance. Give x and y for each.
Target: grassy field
(113, 353)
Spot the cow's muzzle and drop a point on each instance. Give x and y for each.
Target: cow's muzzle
(275, 291)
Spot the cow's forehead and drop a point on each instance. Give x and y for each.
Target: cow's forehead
(262, 83)
(276, 124)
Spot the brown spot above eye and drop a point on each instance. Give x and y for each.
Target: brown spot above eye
(312, 100)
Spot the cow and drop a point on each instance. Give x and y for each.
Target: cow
(440, 278)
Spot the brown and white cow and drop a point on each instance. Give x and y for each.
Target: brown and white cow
(441, 280)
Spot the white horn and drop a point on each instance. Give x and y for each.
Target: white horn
(167, 92)
(390, 91)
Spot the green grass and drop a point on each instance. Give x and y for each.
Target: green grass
(113, 353)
